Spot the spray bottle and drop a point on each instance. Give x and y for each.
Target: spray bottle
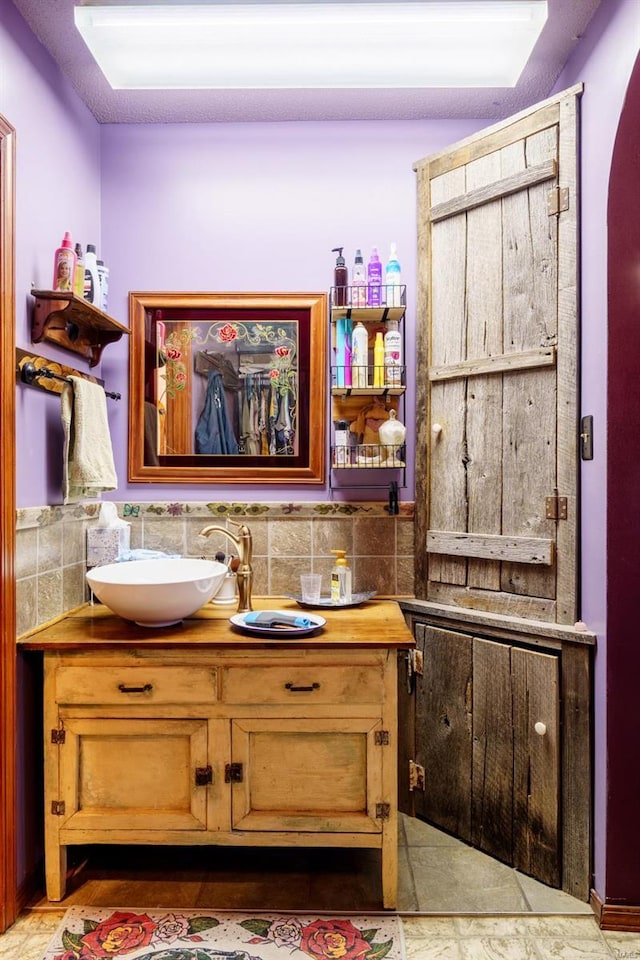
(340, 279)
(64, 266)
(393, 279)
(374, 279)
(359, 285)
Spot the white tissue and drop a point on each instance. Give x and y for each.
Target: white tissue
(108, 516)
(109, 539)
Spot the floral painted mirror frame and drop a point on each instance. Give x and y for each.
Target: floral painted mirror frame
(194, 352)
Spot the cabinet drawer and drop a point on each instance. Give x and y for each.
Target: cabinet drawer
(305, 683)
(136, 684)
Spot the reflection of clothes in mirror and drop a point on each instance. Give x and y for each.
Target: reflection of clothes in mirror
(214, 433)
(151, 414)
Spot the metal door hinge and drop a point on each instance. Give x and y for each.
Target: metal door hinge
(557, 200)
(204, 775)
(233, 773)
(383, 811)
(57, 808)
(57, 736)
(556, 507)
(416, 776)
(381, 738)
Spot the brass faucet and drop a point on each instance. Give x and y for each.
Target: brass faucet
(244, 544)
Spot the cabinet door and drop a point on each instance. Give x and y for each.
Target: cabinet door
(316, 775)
(536, 722)
(487, 734)
(132, 775)
(443, 729)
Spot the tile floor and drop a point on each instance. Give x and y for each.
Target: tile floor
(455, 904)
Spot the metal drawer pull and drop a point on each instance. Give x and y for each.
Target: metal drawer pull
(123, 688)
(294, 689)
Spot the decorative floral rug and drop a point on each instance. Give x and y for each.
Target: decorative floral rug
(87, 933)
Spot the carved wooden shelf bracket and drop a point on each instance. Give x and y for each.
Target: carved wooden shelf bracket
(73, 323)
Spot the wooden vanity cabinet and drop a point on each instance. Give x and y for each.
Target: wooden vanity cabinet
(273, 747)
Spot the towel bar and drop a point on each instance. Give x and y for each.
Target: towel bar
(29, 374)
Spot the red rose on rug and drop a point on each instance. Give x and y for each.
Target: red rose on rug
(334, 940)
(119, 934)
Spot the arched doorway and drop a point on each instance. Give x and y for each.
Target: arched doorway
(8, 879)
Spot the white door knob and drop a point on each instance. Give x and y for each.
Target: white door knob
(436, 429)
(540, 728)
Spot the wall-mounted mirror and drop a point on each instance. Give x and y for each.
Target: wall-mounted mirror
(227, 387)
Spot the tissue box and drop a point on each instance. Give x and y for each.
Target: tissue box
(105, 544)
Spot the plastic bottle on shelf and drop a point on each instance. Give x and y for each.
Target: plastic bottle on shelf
(340, 579)
(341, 438)
(343, 352)
(393, 279)
(374, 280)
(91, 278)
(340, 279)
(103, 277)
(359, 282)
(378, 360)
(78, 276)
(359, 356)
(64, 266)
(392, 355)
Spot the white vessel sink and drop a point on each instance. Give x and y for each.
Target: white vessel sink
(157, 593)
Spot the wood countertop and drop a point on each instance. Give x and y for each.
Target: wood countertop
(374, 624)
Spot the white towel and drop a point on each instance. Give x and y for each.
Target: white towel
(88, 466)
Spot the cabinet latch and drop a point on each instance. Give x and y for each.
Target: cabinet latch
(416, 776)
(233, 773)
(556, 508)
(58, 736)
(383, 811)
(381, 738)
(57, 808)
(204, 776)
(557, 200)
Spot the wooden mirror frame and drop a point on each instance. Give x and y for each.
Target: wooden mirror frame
(309, 465)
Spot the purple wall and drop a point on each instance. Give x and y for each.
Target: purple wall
(57, 189)
(603, 62)
(255, 207)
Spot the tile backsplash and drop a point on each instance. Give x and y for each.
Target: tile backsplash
(288, 539)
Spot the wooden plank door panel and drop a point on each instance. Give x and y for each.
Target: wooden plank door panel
(493, 750)
(500, 397)
(443, 729)
(536, 764)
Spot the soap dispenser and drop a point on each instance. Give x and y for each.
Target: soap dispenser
(340, 579)
(340, 279)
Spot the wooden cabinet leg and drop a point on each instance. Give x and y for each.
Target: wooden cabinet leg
(390, 863)
(56, 871)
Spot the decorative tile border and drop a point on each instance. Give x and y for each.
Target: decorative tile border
(28, 517)
(268, 510)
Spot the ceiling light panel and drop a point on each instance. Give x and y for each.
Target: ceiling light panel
(461, 43)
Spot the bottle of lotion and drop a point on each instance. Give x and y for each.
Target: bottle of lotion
(340, 279)
(392, 355)
(91, 278)
(359, 356)
(64, 266)
(340, 579)
(359, 282)
(78, 276)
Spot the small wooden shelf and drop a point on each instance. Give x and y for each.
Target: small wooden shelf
(367, 391)
(73, 323)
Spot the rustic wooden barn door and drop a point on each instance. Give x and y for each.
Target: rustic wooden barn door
(497, 437)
